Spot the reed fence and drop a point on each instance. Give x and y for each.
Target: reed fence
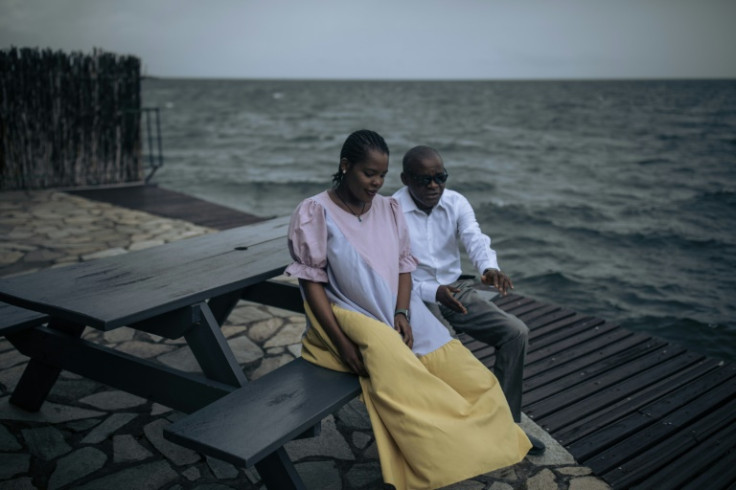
(68, 119)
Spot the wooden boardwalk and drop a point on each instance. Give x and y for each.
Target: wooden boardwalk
(639, 411)
(169, 204)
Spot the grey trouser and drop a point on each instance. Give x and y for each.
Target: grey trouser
(487, 323)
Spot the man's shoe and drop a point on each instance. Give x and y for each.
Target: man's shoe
(538, 446)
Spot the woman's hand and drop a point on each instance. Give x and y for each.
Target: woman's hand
(401, 324)
(316, 297)
(350, 355)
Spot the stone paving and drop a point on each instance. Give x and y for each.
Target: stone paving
(88, 435)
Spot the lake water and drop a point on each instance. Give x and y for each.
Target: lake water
(614, 198)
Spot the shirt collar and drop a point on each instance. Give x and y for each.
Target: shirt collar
(409, 206)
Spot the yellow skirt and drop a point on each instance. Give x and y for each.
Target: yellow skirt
(438, 419)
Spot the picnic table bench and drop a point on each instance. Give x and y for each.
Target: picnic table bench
(182, 289)
(14, 319)
(252, 422)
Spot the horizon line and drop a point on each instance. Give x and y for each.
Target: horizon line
(510, 79)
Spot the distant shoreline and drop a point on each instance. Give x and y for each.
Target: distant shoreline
(438, 80)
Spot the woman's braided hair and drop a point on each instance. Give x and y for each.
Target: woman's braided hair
(356, 148)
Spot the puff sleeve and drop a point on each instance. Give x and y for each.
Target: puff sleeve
(407, 262)
(308, 242)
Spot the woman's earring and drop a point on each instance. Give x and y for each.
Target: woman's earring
(344, 171)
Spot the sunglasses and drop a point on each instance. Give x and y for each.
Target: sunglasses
(425, 180)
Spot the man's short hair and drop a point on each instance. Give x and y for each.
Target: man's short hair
(418, 153)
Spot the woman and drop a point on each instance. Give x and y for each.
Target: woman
(438, 414)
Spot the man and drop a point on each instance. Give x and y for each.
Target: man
(438, 221)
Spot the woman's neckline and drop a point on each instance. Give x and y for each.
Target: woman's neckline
(338, 201)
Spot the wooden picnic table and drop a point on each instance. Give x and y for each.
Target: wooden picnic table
(182, 289)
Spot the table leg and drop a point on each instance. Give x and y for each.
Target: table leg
(212, 351)
(278, 472)
(222, 306)
(39, 377)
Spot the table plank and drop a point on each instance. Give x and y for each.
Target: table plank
(115, 291)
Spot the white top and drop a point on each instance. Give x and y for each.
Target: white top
(359, 262)
(436, 237)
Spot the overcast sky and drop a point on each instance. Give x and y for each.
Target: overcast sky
(391, 39)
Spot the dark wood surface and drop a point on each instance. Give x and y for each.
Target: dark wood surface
(152, 380)
(170, 204)
(13, 318)
(124, 289)
(641, 412)
(253, 421)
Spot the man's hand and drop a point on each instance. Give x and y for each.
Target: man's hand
(401, 325)
(350, 355)
(497, 279)
(445, 296)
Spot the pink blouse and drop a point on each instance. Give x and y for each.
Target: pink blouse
(359, 261)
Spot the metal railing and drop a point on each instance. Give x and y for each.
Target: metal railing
(154, 154)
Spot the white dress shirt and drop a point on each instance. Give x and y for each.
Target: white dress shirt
(435, 240)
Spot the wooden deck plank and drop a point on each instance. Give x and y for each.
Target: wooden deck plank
(506, 302)
(640, 411)
(528, 310)
(637, 419)
(565, 331)
(588, 369)
(720, 473)
(706, 372)
(674, 438)
(169, 204)
(599, 391)
(591, 398)
(607, 357)
(512, 302)
(553, 321)
(586, 341)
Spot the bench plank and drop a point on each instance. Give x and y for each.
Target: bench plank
(14, 318)
(257, 419)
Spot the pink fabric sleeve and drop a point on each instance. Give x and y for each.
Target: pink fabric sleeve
(407, 262)
(308, 242)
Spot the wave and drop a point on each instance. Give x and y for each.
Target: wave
(584, 222)
(718, 197)
(714, 340)
(459, 146)
(551, 280)
(305, 138)
(654, 161)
